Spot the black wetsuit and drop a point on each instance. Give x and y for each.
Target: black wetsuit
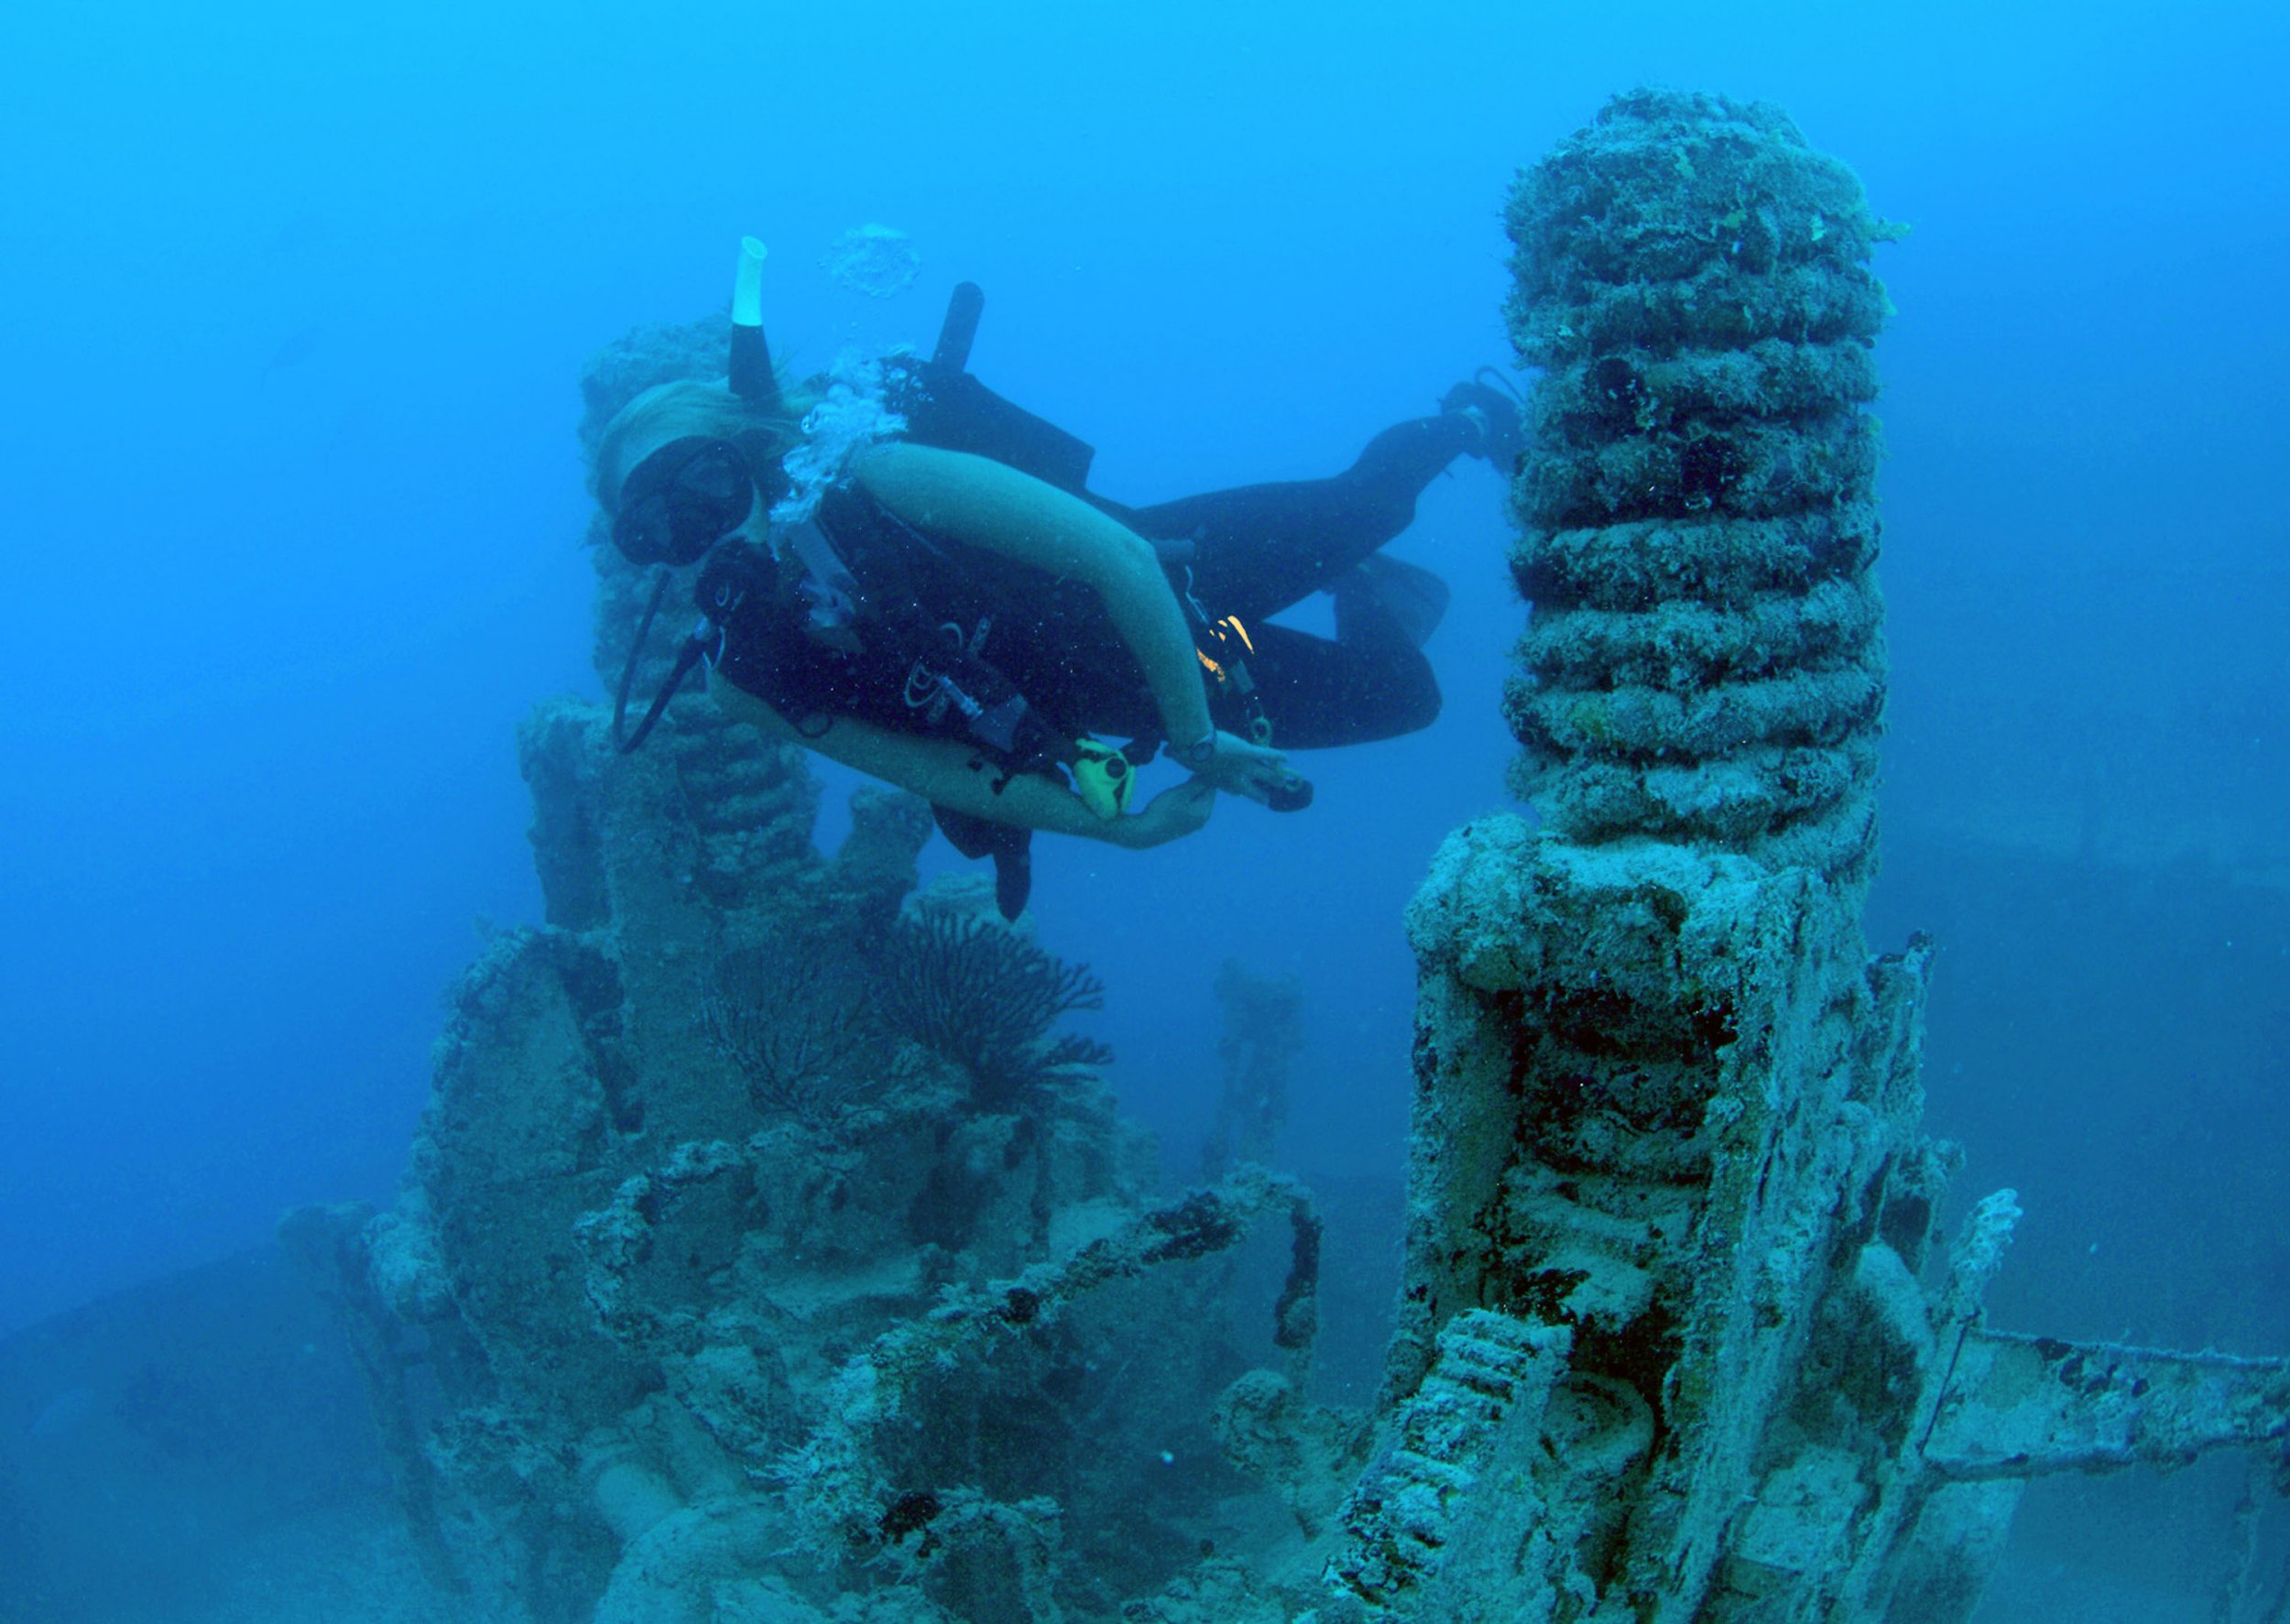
(1260, 548)
(1250, 552)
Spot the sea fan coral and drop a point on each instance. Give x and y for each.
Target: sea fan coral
(976, 994)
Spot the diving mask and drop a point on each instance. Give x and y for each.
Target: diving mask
(683, 499)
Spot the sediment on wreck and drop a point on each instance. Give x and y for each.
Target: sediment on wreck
(1671, 1343)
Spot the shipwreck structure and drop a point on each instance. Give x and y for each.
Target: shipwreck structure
(1675, 1344)
(769, 1253)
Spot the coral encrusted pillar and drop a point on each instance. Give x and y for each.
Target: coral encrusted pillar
(1667, 1151)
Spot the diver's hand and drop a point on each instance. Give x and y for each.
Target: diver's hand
(1171, 815)
(1239, 768)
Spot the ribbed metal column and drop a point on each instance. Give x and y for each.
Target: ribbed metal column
(1704, 662)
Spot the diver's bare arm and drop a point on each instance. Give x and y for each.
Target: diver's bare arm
(940, 770)
(988, 504)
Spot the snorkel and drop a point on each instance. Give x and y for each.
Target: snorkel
(752, 379)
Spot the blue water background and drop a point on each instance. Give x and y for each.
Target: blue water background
(296, 302)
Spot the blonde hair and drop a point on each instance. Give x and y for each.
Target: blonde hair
(688, 406)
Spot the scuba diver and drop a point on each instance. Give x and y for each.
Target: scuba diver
(908, 573)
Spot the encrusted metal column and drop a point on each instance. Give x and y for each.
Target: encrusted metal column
(1705, 661)
(1669, 1349)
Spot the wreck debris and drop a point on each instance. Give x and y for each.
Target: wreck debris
(841, 1466)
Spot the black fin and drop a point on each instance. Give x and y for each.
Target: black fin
(1011, 846)
(1415, 599)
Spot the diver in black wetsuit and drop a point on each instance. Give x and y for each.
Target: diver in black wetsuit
(1251, 553)
(911, 577)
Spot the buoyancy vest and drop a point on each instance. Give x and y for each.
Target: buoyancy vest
(942, 639)
(864, 615)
